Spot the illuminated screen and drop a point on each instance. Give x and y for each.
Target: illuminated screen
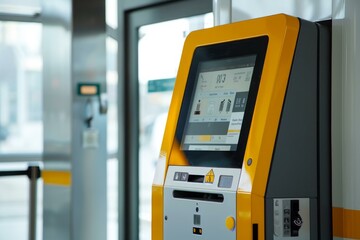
(218, 104)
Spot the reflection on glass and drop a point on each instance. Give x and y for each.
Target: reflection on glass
(112, 83)
(20, 88)
(112, 138)
(160, 47)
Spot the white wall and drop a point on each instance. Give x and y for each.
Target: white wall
(346, 112)
(306, 9)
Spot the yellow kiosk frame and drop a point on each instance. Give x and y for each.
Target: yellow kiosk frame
(283, 33)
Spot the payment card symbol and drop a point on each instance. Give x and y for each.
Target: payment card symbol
(210, 177)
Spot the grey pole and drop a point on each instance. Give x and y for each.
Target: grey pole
(33, 175)
(222, 11)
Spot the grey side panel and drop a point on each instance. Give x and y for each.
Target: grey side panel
(325, 203)
(295, 154)
(293, 172)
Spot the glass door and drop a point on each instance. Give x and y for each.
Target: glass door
(154, 38)
(159, 51)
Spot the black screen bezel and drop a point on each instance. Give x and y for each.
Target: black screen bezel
(253, 46)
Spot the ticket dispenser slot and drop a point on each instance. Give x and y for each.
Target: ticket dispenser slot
(242, 131)
(200, 196)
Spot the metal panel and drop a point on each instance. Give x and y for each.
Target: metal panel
(56, 213)
(89, 206)
(56, 79)
(184, 215)
(56, 115)
(295, 151)
(74, 51)
(179, 214)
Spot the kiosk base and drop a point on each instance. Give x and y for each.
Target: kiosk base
(200, 201)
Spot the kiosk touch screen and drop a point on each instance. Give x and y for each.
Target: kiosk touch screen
(219, 101)
(218, 105)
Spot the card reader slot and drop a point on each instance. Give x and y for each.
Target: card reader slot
(201, 196)
(196, 178)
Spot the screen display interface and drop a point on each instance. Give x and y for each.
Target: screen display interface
(218, 104)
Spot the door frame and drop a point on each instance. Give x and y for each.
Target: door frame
(130, 20)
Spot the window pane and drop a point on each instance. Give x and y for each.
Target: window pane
(111, 13)
(160, 47)
(20, 88)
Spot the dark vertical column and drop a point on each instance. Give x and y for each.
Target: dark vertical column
(325, 186)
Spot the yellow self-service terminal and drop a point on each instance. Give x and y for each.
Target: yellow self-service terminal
(245, 153)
